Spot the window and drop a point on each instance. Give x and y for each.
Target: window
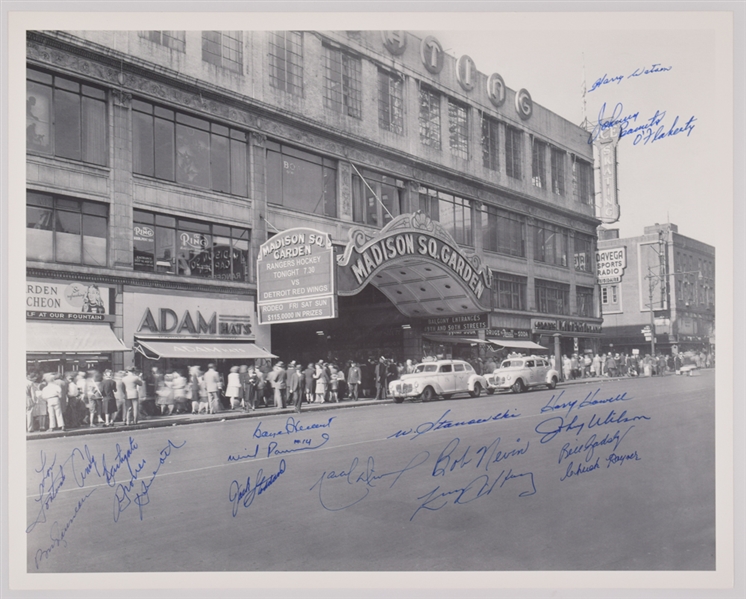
(67, 230)
(458, 367)
(286, 61)
(445, 368)
(558, 172)
(65, 118)
(177, 147)
(191, 248)
(503, 232)
(552, 298)
(224, 49)
(453, 213)
(609, 295)
(343, 83)
(584, 296)
(176, 40)
(583, 175)
(508, 291)
(429, 118)
(390, 102)
(539, 164)
(458, 129)
(490, 145)
(583, 253)
(550, 244)
(366, 209)
(513, 152)
(300, 180)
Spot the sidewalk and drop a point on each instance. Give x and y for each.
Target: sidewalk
(179, 419)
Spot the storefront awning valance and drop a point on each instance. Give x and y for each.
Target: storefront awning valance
(200, 350)
(453, 339)
(71, 338)
(517, 344)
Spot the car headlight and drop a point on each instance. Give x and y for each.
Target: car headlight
(415, 385)
(508, 377)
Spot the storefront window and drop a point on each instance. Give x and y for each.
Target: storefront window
(551, 297)
(301, 181)
(550, 244)
(65, 230)
(190, 248)
(503, 231)
(366, 209)
(177, 147)
(65, 118)
(453, 213)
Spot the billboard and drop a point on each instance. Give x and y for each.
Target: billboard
(605, 148)
(68, 300)
(610, 265)
(295, 277)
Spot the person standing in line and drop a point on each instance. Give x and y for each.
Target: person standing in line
(341, 383)
(193, 386)
(333, 383)
(321, 380)
(295, 387)
(212, 382)
(309, 383)
(353, 380)
(109, 397)
(243, 377)
(233, 388)
(132, 384)
(31, 378)
(380, 378)
(278, 379)
(250, 389)
(566, 367)
(52, 394)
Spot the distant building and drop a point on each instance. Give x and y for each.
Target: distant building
(672, 273)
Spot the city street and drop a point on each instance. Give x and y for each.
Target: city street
(603, 475)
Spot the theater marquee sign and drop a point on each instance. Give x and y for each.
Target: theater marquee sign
(418, 266)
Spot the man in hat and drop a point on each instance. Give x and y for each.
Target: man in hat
(354, 377)
(295, 386)
(132, 384)
(212, 383)
(278, 379)
(380, 376)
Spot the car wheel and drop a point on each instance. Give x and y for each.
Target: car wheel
(428, 394)
(398, 399)
(477, 390)
(490, 391)
(518, 386)
(553, 383)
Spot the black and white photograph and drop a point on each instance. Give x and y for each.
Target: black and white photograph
(305, 296)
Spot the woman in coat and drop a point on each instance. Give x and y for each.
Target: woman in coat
(233, 388)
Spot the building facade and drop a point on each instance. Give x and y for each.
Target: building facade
(663, 270)
(158, 162)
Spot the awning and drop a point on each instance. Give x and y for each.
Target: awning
(453, 339)
(71, 338)
(518, 344)
(200, 350)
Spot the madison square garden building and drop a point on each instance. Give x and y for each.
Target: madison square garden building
(164, 169)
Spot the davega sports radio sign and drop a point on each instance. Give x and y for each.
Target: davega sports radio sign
(295, 277)
(610, 265)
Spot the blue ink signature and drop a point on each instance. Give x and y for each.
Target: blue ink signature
(442, 424)
(580, 469)
(119, 460)
(57, 534)
(551, 427)
(621, 459)
(554, 403)
(245, 496)
(480, 487)
(292, 426)
(273, 451)
(366, 479)
(605, 79)
(612, 121)
(247, 456)
(487, 454)
(122, 498)
(645, 133)
(589, 447)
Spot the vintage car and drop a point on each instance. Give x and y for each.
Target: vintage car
(439, 378)
(522, 373)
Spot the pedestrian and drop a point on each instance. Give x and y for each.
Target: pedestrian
(153, 381)
(120, 395)
(278, 379)
(51, 393)
(380, 378)
(353, 380)
(295, 387)
(243, 378)
(333, 383)
(94, 397)
(251, 390)
(566, 367)
(194, 388)
(31, 391)
(308, 382)
(587, 361)
(132, 384)
(233, 389)
(212, 383)
(109, 398)
(341, 384)
(179, 386)
(321, 381)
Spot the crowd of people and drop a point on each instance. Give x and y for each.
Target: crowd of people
(58, 402)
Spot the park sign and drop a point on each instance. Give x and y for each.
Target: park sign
(296, 277)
